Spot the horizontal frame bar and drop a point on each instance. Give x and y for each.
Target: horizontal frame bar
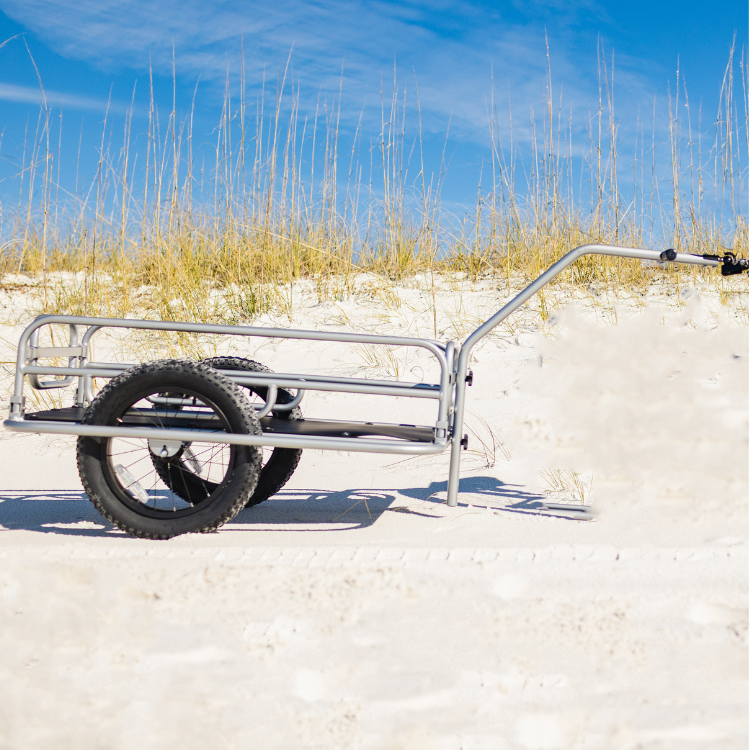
(273, 376)
(410, 390)
(45, 352)
(308, 442)
(229, 330)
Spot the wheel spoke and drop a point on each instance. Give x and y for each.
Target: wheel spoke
(188, 478)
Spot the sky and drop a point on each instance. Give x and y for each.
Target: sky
(93, 57)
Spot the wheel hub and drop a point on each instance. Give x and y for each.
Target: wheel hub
(165, 448)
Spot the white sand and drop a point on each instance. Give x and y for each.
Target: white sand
(356, 610)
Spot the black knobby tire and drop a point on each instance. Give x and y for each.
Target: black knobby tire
(118, 473)
(278, 464)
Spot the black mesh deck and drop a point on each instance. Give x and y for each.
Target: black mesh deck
(313, 427)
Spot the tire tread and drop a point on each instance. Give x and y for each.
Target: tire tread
(178, 366)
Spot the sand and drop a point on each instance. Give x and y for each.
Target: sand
(356, 610)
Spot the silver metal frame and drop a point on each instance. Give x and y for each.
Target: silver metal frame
(450, 392)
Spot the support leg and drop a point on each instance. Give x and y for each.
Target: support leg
(458, 425)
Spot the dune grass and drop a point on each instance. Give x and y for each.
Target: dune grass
(140, 241)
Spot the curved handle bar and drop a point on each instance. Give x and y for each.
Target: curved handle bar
(512, 306)
(559, 267)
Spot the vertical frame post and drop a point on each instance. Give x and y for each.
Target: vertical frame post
(454, 474)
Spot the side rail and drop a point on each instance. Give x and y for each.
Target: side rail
(81, 368)
(730, 265)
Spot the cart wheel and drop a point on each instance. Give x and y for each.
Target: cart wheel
(119, 475)
(278, 464)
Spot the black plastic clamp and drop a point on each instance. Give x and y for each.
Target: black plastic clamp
(734, 266)
(730, 264)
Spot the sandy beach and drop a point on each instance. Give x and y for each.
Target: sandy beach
(356, 610)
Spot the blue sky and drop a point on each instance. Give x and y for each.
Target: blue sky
(89, 52)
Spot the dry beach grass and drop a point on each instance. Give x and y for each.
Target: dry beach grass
(161, 235)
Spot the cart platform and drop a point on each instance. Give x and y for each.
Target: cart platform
(310, 427)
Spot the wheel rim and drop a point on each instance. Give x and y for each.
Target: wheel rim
(176, 474)
(203, 467)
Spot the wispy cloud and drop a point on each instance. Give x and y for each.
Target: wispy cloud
(449, 47)
(465, 56)
(33, 95)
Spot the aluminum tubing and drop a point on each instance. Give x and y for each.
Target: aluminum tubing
(407, 391)
(559, 267)
(454, 472)
(436, 348)
(228, 330)
(308, 442)
(512, 306)
(305, 381)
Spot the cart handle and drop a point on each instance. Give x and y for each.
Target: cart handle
(561, 265)
(727, 262)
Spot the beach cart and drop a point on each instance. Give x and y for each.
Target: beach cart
(176, 446)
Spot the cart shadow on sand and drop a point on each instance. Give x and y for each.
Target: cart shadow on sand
(69, 512)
